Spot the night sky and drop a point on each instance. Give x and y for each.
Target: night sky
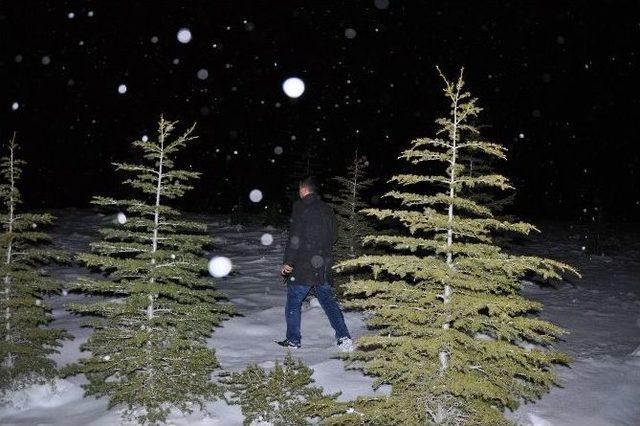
(558, 81)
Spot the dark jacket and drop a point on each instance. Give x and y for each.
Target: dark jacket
(312, 234)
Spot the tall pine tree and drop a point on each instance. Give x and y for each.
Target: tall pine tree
(347, 202)
(24, 343)
(148, 347)
(454, 337)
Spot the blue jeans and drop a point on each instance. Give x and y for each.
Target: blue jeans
(295, 296)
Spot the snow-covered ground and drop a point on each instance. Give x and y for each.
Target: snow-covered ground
(254, 287)
(602, 311)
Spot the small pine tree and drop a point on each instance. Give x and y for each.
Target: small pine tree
(148, 347)
(24, 344)
(282, 396)
(452, 329)
(347, 202)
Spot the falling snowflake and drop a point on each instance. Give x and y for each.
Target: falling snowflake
(350, 33)
(266, 239)
(255, 195)
(381, 4)
(293, 87)
(203, 74)
(184, 35)
(220, 266)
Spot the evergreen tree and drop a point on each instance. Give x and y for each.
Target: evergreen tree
(454, 337)
(475, 164)
(24, 344)
(148, 347)
(347, 202)
(282, 396)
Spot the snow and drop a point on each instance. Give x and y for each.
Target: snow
(266, 239)
(220, 266)
(601, 311)
(293, 87)
(122, 89)
(46, 60)
(255, 195)
(350, 33)
(381, 4)
(203, 74)
(184, 35)
(121, 218)
(15, 106)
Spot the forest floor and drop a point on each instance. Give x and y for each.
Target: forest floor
(601, 311)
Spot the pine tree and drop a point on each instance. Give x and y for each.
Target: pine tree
(282, 396)
(24, 344)
(475, 164)
(454, 336)
(347, 202)
(148, 347)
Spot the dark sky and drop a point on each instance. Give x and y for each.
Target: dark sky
(557, 81)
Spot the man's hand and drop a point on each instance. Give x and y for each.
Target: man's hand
(286, 269)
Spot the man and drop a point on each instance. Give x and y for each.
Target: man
(307, 264)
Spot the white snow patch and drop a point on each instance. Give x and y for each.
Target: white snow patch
(51, 395)
(538, 421)
(314, 303)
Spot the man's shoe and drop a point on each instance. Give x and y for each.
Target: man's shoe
(345, 344)
(287, 344)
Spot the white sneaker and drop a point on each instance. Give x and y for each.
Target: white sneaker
(345, 345)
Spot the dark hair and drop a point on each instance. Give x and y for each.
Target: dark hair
(310, 183)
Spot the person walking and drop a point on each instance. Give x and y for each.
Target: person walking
(307, 264)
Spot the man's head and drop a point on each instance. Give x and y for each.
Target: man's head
(307, 186)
